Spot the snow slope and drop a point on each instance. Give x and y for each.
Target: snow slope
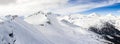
(49, 28)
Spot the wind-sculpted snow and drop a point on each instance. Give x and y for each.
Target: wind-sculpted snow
(49, 28)
(7, 34)
(37, 18)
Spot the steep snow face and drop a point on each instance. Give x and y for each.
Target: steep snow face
(49, 28)
(17, 31)
(36, 18)
(69, 28)
(105, 26)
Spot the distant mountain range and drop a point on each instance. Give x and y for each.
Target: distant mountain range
(50, 28)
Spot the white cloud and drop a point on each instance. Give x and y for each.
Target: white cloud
(84, 7)
(26, 7)
(79, 8)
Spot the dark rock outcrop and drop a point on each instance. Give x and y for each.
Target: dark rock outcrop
(108, 32)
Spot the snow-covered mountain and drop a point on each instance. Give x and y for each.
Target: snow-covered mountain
(50, 28)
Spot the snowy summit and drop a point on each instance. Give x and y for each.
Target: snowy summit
(56, 29)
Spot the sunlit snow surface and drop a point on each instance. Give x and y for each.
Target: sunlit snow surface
(49, 28)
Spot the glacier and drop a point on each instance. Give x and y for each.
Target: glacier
(49, 28)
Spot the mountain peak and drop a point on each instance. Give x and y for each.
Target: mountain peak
(94, 14)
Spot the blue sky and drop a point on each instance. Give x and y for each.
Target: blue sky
(26, 7)
(113, 8)
(102, 7)
(86, 1)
